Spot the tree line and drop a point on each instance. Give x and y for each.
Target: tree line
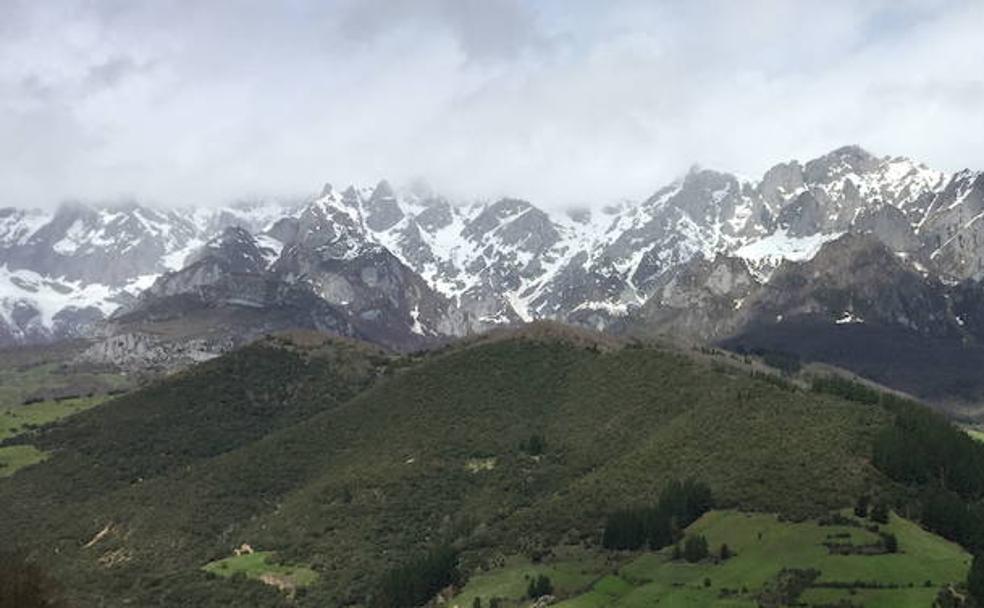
(660, 525)
(418, 581)
(924, 451)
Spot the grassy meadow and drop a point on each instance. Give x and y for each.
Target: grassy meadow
(763, 546)
(15, 420)
(263, 566)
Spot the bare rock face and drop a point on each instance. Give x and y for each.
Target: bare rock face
(71, 323)
(234, 251)
(953, 231)
(23, 324)
(382, 211)
(889, 225)
(168, 330)
(803, 216)
(384, 299)
(436, 214)
(856, 279)
(709, 254)
(702, 300)
(139, 351)
(844, 161)
(110, 246)
(861, 306)
(780, 183)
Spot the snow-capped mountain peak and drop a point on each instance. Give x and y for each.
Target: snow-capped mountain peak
(506, 260)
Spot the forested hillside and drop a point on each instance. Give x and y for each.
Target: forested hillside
(329, 464)
(349, 462)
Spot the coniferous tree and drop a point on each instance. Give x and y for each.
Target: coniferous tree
(659, 529)
(680, 504)
(538, 587)
(419, 580)
(695, 548)
(975, 579)
(535, 445)
(861, 507)
(725, 552)
(879, 513)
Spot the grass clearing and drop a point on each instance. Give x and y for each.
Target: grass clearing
(16, 384)
(605, 592)
(976, 432)
(22, 419)
(261, 566)
(19, 419)
(762, 545)
(49, 380)
(16, 457)
(573, 570)
(916, 597)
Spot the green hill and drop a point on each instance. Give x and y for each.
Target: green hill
(342, 460)
(760, 547)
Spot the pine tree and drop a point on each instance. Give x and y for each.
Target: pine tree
(861, 507)
(879, 513)
(975, 579)
(539, 587)
(536, 445)
(695, 548)
(725, 552)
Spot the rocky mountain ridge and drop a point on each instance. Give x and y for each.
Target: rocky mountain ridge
(402, 267)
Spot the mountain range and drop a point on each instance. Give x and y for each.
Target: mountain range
(847, 242)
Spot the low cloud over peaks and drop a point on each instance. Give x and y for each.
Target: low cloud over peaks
(562, 102)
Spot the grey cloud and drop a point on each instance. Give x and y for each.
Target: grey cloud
(111, 72)
(483, 29)
(561, 101)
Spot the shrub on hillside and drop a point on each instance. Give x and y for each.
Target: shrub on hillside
(695, 548)
(535, 445)
(879, 513)
(539, 587)
(725, 552)
(861, 507)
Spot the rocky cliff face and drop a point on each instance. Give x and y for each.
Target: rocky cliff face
(404, 267)
(702, 300)
(861, 306)
(952, 228)
(856, 279)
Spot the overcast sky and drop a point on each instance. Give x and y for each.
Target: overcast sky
(560, 101)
